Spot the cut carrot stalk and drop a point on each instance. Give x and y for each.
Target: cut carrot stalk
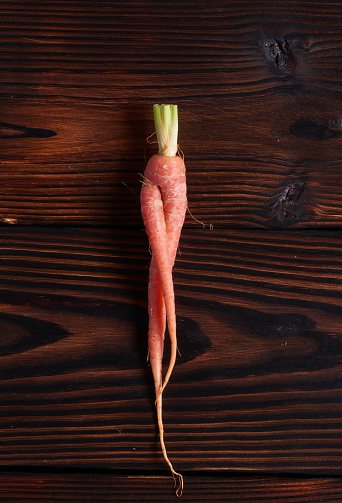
(163, 206)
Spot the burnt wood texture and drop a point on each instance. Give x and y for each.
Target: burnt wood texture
(259, 95)
(253, 409)
(99, 488)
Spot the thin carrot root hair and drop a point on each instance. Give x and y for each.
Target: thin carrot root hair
(130, 188)
(177, 477)
(194, 218)
(144, 179)
(148, 138)
(180, 152)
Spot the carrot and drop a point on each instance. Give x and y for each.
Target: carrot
(163, 206)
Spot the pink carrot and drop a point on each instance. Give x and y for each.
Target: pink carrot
(163, 207)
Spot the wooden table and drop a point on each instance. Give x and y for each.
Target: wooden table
(253, 409)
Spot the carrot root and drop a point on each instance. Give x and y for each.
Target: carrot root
(163, 207)
(178, 478)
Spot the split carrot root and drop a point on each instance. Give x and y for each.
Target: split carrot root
(163, 206)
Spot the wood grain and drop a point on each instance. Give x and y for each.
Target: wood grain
(258, 89)
(99, 488)
(257, 385)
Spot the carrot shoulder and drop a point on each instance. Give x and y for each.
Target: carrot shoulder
(163, 207)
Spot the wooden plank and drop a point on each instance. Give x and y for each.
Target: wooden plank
(99, 488)
(242, 44)
(257, 386)
(258, 88)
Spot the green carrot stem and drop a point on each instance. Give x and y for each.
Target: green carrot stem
(166, 122)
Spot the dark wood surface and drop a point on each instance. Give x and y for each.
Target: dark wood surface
(258, 382)
(259, 96)
(253, 409)
(100, 488)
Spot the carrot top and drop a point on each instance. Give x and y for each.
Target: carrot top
(166, 122)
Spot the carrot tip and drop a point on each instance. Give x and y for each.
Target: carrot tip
(178, 478)
(179, 482)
